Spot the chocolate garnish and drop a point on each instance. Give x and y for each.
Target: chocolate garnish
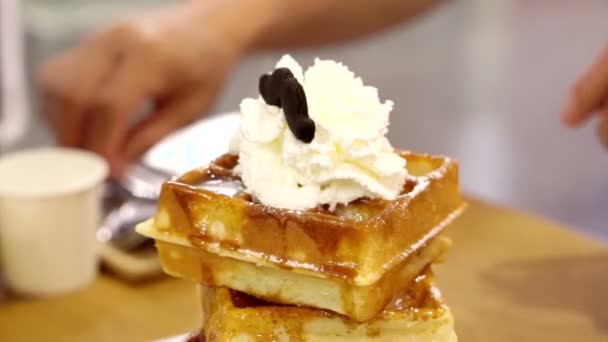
(270, 85)
(295, 107)
(283, 90)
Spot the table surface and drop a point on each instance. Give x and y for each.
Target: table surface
(509, 277)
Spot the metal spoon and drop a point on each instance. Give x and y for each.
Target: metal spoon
(130, 201)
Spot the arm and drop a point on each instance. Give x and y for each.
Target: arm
(288, 23)
(328, 21)
(178, 60)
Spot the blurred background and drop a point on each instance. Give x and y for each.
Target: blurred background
(482, 81)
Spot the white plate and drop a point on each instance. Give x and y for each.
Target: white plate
(195, 145)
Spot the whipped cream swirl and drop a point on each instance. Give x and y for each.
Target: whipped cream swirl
(349, 157)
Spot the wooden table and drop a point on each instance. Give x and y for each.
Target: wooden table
(510, 277)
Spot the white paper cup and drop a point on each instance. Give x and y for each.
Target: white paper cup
(50, 208)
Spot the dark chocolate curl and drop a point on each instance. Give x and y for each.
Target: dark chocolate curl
(263, 88)
(295, 108)
(281, 89)
(270, 85)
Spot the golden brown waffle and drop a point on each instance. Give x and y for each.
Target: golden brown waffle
(357, 243)
(282, 286)
(417, 314)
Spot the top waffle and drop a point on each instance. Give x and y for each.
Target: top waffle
(357, 243)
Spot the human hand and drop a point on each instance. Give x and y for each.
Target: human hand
(590, 96)
(91, 92)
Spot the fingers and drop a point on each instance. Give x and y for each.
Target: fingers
(61, 99)
(177, 113)
(107, 119)
(92, 91)
(588, 93)
(68, 83)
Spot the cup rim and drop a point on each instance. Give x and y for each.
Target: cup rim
(97, 172)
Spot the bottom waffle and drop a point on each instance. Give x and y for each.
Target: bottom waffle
(282, 286)
(416, 315)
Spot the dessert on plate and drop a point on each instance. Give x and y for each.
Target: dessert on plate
(312, 217)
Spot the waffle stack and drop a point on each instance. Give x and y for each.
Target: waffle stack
(360, 272)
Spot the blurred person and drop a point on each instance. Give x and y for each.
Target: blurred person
(589, 96)
(179, 59)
